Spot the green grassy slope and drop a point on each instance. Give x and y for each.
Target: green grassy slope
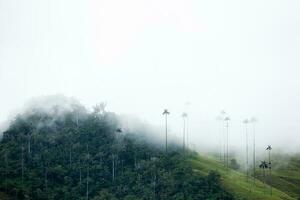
(236, 182)
(286, 174)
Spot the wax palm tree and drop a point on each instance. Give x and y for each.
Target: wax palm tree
(253, 122)
(46, 179)
(6, 169)
(114, 156)
(88, 172)
(269, 148)
(29, 139)
(227, 119)
(187, 108)
(166, 113)
(220, 121)
(246, 121)
(88, 166)
(187, 132)
(22, 162)
(184, 116)
(263, 165)
(113, 166)
(80, 175)
(223, 116)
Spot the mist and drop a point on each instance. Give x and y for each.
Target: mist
(56, 111)
(241, 57)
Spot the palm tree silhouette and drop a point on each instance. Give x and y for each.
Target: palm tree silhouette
(223, 114)
(187, 105)
(269, 148)
(166, 113)
(184, 116)
(253, 121)
(246, 121)
(263, 165)
(227, 119)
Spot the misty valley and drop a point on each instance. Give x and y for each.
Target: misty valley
(149, 100)
(64, 151)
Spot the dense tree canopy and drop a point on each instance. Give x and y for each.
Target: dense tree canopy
(80, 155)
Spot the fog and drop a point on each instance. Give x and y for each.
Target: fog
(144, 56)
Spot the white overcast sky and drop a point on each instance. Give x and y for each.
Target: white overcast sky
(142, 56)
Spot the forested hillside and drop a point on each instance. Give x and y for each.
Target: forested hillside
(71, 153)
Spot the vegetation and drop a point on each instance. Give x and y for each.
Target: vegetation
(75, 154)
(234, 164)
(236, 182)
(285, 174)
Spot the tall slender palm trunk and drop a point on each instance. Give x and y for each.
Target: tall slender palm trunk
(87, 182)
(80, 177)
(220, 140)
(88, 167)
(187, 133)
(247, 153)
(88, 172)
(254, 156)
(166, 133)
(227, 153)
(183, 136)
(270, 173)
(29, 144)
(113, 167)
(70, 156)
(22, 162)
(224, 144)
(227, 136)
(263, 166)
(154, 187)
(166, 113)
(46, 179)
(6, 170)
(264, 175)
